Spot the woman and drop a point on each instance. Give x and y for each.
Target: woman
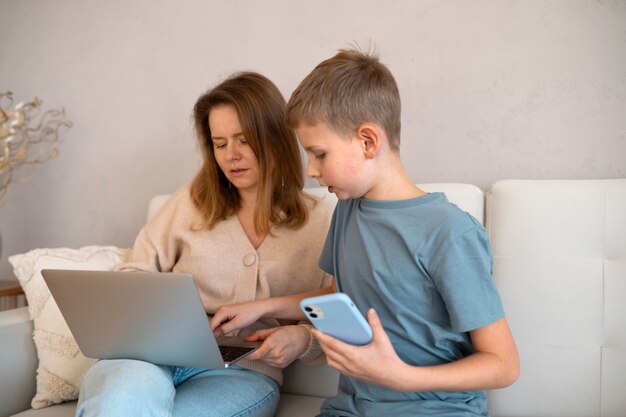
(245, 231)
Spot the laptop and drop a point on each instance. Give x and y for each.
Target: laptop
(156, 317)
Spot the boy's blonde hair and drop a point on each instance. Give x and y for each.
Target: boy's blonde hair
(345, 91)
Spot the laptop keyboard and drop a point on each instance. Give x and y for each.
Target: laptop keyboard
(230, 353)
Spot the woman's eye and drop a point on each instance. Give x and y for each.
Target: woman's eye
(320, 156)
(219, 145)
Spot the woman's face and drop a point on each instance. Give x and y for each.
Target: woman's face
(232, 152)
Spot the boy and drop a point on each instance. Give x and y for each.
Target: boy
(417, 264)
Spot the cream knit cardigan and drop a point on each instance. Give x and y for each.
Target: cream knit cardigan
(226, 267)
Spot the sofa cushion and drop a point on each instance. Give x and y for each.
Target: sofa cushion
(310, 380)
(61, 364)
(298, 405)
(290, 406)
(66, 409)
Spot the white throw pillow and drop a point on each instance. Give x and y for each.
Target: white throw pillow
(61, 364)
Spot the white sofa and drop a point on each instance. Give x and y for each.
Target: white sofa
(560, 265)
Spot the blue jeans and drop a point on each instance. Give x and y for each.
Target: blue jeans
(117, 388)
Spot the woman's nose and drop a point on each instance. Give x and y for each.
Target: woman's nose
(233, 153)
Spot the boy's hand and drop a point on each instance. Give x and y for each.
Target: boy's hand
(234, 317)
(281, 345)
(374, 363)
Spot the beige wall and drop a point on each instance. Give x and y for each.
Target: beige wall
(491, 90)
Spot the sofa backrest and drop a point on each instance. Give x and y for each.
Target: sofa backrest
(560, 266)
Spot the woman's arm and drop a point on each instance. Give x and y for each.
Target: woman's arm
(144, 256)
(232, 317)
(494, 363)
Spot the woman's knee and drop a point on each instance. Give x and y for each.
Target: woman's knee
(117, 373)
(233, 393)
(123, 384)
(265, 406)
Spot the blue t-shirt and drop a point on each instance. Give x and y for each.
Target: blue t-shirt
(426, 267)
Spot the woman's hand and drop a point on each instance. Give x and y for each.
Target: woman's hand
(233, 317)
(374, 363)
(281, 345)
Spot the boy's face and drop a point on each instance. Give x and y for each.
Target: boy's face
(336, 161)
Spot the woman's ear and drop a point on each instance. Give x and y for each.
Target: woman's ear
(370, 137)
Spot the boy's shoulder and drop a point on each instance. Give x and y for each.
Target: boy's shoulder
(434, 203)
(450, 219)
(432, 212)
(447, 211)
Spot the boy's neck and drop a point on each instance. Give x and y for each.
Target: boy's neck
(392, 182)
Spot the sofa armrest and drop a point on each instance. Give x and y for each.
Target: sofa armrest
(18, 361)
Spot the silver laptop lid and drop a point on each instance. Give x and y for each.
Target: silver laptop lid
(153, 317)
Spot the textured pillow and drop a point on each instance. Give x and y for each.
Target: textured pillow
(61, 364)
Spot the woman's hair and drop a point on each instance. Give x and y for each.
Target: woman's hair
(344, 91)
(261, 110)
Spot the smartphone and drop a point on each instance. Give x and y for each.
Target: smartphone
(336, 315)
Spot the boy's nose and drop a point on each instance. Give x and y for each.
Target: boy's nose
(311, 171)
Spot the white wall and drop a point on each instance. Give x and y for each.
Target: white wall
(491, 89)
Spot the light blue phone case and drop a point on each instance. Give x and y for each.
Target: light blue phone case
(336, 315)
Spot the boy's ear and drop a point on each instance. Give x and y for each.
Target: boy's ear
(370, 137)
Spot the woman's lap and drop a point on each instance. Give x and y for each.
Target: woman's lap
(127, 387)
(227, 392)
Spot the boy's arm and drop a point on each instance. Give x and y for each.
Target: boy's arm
(494, 363)
(236, 316)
